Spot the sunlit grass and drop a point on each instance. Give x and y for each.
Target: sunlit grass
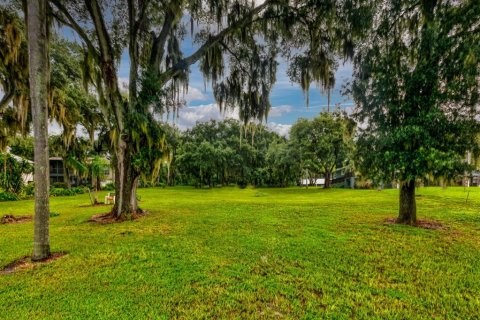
(253, 253)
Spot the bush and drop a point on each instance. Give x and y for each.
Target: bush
(60, 192)
(78, 190)
(57, 192)
(109, 187)
(242, 183)
(29, 189)
(8, 196)
(59, 185)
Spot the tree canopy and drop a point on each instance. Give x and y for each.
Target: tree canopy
(417, 89)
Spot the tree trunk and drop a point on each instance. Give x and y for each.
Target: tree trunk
(408, 207)
(125, 184)
(38, 77)
(66, 176)
(327, 180)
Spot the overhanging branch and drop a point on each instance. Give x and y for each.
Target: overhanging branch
(183, 64)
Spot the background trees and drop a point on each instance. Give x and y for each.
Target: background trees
(219, 153)
(323, 143)
(243, 38)
(417, 90)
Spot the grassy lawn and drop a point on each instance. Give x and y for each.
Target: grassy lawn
(254, 253)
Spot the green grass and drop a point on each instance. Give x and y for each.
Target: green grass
(253, 253)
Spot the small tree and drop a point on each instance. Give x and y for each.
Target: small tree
(97, 166)
(323, 143)
(13, 171)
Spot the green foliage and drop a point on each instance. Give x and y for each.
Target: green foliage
(283, 165)
(109, 187)
(226, 254)
(416, 85)
(8, 196)
(12, 171)
(221, 153)
(14, 102)
(22, 147)
(97, 167)
(59, 192)
(29, 189)
(323, 143)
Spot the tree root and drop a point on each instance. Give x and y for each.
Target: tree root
(111, 217)
(27, 263)
(424, 224)
(8, 219)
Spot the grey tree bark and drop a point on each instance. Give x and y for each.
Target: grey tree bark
(37, 31)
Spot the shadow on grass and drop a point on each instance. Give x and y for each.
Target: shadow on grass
(26, 263)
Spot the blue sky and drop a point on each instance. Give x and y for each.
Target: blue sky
(288, 100)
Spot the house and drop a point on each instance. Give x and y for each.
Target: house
(313, 182)
(57, 174)
(56, 170)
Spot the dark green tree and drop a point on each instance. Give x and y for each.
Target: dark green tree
(323, 143)
(417, 90)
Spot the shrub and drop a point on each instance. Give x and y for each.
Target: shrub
(109, 187)
(242, 183)
(8, 196)
(78, 190)
(59, 185)
(29, 189)
(57, 192)
(12, 173)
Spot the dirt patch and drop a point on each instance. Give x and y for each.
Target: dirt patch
(8, 219)
(106, 218)
(26, 263)
(424, 224)
(100, 204)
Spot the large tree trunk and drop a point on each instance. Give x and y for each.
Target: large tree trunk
(38, 70)
(408, 207)
(125, 184)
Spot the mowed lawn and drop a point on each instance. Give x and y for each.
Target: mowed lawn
(251, 254)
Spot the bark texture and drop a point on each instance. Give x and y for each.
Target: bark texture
(126, 186)
(408, 207)
(38, 70)
(328, 183)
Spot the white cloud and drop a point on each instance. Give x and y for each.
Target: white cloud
(280, 128)
(276, 112)
(194, 94)
(189, 116)
(123, 84)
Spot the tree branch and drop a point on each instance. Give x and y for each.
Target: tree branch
(158, 46)
(7, 97)
(70, 22)
(109, 73)
(186, 62)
